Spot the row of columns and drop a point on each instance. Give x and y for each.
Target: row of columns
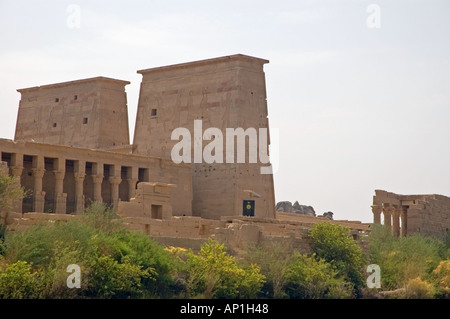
(59, 166)
(393, 215)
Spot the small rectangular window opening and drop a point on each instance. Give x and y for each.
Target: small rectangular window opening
(154, 111)
(85, 120)
(54, 124)
(75, 97)
(57, 99)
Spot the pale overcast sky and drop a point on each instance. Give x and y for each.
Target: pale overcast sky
(360, 105)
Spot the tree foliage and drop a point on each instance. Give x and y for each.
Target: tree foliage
(115, 262)
(405, 258)
(10, 190)
(18, 282)
(118, 263)
(314, 278)
(215, 274)
(332, 243)
(274, 259)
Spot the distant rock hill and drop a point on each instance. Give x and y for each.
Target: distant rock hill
(287, 207)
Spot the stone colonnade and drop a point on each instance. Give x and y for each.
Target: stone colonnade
(80, 180)
(394, 217)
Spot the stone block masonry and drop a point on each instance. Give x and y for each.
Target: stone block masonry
(72, 148)
(88, 113)
(411, 214)
(66, 127)
(226, 92)
(62, 179)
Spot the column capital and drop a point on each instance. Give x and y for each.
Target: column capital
(98, 179)
(16, 170)
(115, 180)
(79, 176)
(59, 175)
(376, 209)
(38, 172)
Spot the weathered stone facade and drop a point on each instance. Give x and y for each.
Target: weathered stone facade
(72, 140)
(89, 113)
(63, 179)
(227, 92)
(410, 214)
(72, 148)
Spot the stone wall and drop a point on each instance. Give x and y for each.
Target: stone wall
(20, 222)
(227, 92)
(237, 233)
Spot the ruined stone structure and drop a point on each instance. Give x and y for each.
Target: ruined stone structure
(72, 146)
(410, 214)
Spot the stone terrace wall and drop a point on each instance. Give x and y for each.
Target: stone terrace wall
(20, 222)
(191, 232)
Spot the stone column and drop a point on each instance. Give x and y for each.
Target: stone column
(79, 196)
(132, 178)
(60, 196)
(115, 181)
(376, 210)
(38, 194)
(132, 187)
(16, 171)
(395, 222)
(403, 219)
(98, 180)
(387, 216)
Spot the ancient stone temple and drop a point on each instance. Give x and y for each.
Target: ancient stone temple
(72, 145)
(410, 214)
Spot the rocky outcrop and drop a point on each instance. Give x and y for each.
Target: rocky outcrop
(328, 215)
(287, 207)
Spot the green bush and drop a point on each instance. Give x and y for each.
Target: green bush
(10, 190)
(332, 243)
(135, 248)
(274, 259)
(99, 216)
(18, 282)
(419, 289)
(39, 243)
(215, 274)
(312, 278)
(110, 279)
(2, 239)
(95, 242)
(441, 276)
(404, 258)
